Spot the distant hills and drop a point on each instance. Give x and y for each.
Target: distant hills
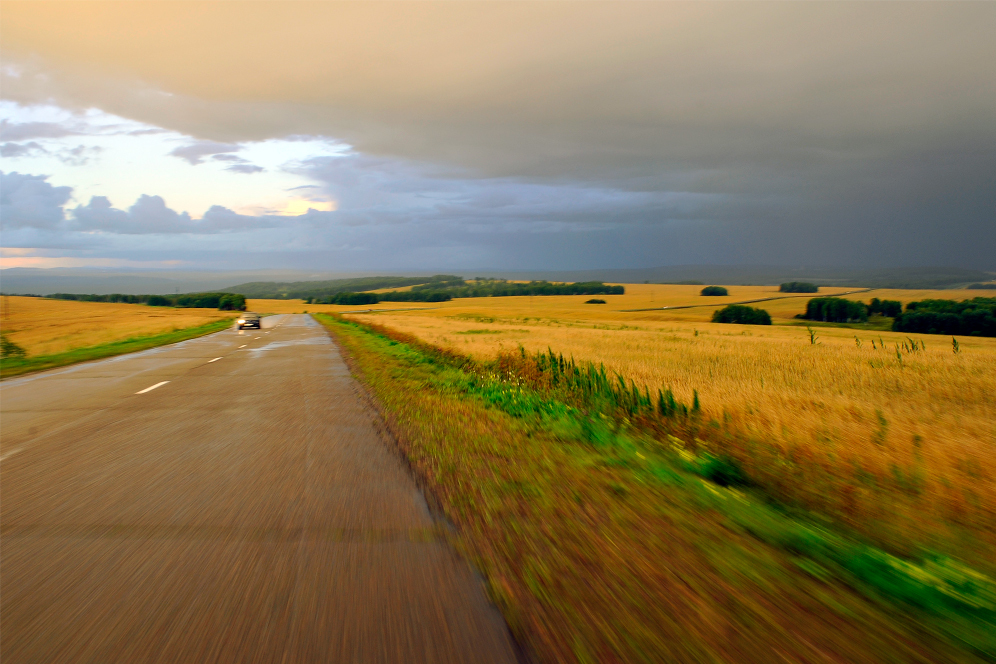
(299, 283)
(104, 281)
(746, 275)
(323, 289)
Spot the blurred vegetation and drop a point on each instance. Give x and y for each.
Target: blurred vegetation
(714, 290)
(613, 524)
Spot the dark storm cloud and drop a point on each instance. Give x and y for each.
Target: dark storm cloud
(833, 133)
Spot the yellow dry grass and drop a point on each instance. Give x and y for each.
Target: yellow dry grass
(43, 326)
(932, 410)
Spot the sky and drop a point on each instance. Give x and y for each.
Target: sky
(451, 136)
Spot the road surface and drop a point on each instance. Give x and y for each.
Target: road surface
(226, 499)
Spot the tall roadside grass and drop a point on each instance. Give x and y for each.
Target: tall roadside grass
(891, 435)
(611, 526)
(18, 364)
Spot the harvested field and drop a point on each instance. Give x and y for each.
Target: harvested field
(43, 326)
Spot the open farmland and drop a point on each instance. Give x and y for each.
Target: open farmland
(900, 445)
(43, 326)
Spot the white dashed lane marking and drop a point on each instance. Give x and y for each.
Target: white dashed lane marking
(9, 453)
(149, 389)
(214, 360)
(243, 345)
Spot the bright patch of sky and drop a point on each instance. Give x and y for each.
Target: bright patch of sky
(99, 154)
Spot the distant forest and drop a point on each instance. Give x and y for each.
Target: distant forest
(223, 301)
(975, 317)
(442, 290)
(322, 290)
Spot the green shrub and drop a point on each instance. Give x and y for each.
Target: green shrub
(594, 300)
(714, 290)
(743, 315)
(798, 287)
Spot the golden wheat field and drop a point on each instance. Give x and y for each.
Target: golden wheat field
(854, 393)
(43, 326)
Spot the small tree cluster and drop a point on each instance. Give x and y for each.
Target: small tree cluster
(743, 315)
(798, 287)
(714, 290)
(836, 310)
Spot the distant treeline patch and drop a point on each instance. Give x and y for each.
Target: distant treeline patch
(890, 308)
(798, 287)
(975, 317)
(714, 290)
(319, 290)
(443, 290)
(223, 301)
(836, 310)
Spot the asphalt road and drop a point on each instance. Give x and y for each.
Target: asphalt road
(244, 511)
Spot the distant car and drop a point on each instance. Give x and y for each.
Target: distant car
(249, 319)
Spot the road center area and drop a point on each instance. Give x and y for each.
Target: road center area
(246, 510)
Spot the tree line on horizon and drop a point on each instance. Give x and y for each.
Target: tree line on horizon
(221, 301)
(448, 289)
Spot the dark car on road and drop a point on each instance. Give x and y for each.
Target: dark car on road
(249, 319)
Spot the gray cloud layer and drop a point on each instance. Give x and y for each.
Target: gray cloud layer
(821, 133)
(196, 152)
(31, 202)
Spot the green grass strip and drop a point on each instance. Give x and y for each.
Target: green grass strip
(16, 366)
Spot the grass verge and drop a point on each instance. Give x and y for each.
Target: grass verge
(602, 542)
(18, 365)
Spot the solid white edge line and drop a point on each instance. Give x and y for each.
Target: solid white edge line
(149, 389)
